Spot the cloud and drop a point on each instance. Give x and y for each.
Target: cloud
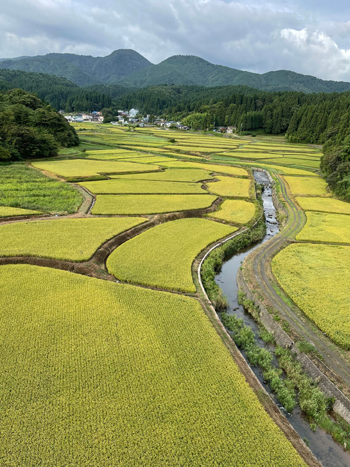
(309, 36)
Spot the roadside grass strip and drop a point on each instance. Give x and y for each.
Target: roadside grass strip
(317, 279)
(307, 186)
(229, 186)
(300, 162)
(65, 239)
(24, 187)
(162, 256)
(237, 211)
(129, 186)
(325, 227)
(211, 167)
(152, 204)
(171, 175)
(7, 211)
(102, 374)
(88, 168)
(330, 205)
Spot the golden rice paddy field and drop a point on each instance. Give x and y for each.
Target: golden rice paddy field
(162, 256)
(325, 227)
(129, 186)
(317, 278)
(315, 164)
(235, 210)
(149, 204)
(98, 374)
(6, 211)
(88, 168)
(171, 175)
(65, 239)
(211, 167)
(251, 155)
(330, 205)
(304, 186)
(230, 186)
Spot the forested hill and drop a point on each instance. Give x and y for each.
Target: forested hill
(187, 69)
(59, 92)
(29, 128)
(128, 68)
(81, 69)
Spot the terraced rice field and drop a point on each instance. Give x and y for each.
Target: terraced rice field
(171, 175)
(6, 211)
(303, 186)
(281, 169)
(230, 186)
(152, 204)
(146, 159)
(88, 168)
(130, 186)
(252, 155)
(315, 164)
(162, 256)
(65, 239)
(236, 211)
(317, 278)
(211, 167)
(104, 366)
(330, 205)
(325, 227)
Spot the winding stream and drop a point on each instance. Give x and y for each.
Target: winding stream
(327, 451)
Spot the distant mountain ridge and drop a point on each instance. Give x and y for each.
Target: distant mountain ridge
(82, 70)
(128, 68)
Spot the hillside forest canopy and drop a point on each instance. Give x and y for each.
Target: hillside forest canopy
(29, 128)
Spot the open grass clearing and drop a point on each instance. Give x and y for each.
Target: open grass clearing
(317, 279)
(330, 205)
(88, 168)
(65, 239)
(325, 227)
(229, 186)
(149, 204)
(235, 210)
(162, 256)
(91, 368)
(130, 186)
(307, 186)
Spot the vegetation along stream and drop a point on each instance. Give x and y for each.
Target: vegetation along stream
(324, 448)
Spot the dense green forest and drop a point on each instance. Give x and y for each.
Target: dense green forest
(30, 128)
(59, 92)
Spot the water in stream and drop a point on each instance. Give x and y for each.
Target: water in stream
(328, 452)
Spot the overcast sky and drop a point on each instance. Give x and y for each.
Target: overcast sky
(307, 36)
